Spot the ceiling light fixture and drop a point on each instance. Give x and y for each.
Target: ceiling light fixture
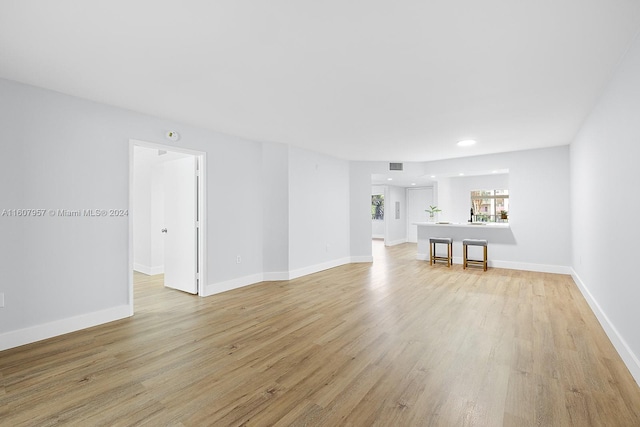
(461, 174)
(413, 183)
(466, 142)
(389, 179)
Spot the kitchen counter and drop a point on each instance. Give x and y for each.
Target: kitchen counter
(465, 225)
(499, 235)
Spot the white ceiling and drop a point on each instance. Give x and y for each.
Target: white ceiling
(361, 80)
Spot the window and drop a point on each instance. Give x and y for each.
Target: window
(490, 205)
(377, 206)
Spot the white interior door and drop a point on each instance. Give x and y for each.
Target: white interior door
(180, 231)
(418, 200)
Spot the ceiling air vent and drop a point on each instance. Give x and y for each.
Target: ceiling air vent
(395, 166)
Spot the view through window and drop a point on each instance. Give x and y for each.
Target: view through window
(490, 205)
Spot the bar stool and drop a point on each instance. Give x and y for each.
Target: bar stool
(432, 250)
(473, 242)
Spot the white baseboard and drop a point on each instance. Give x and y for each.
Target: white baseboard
(377, 236)
(621, 346)
(318, 267)
(227, 285)
(395, 242)
(149, 271)
(362, 258)
(60, 327)
(510, 265)
(275, 276)
(526, 266)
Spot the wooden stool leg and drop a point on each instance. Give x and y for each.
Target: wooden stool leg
(485, 258)
(431, 253)
(464, 257)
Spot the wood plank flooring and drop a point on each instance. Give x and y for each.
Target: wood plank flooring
(393, 343)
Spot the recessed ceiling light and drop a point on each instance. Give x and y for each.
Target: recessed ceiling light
(461, 174)
(466, 142)
(494, 171)
(389, 179)
(413, 183)
(433, 176)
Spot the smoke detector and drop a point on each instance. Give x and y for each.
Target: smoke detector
(172, 135)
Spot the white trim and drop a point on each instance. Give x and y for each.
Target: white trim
(318, 267)
(130, 230)
(149, 271)
(227, 285)
(60, 327)
(395, 242)
(511, 265)
(377, 236)
(203, 221)
(526, 266)
(628, 357)
(275, 276)
(161, 146)
(361, 258)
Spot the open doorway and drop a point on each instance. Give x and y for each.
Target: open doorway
(378, 225)
(166, 226)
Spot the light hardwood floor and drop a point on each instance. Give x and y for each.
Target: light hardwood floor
(393, 343)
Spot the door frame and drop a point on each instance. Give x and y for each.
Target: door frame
(201, 211)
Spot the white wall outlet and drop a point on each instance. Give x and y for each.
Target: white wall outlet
(238, 259)
(1, 299)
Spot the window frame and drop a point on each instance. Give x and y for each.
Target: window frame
(496, 217)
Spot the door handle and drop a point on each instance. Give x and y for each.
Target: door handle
(164, 230)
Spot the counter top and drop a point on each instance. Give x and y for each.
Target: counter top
(483, 225)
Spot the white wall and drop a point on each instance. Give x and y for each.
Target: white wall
(605, 207)
(234, 171)
(360, 211)
(142, 184)
(275, 199)
(61, 152)
(318, 211)
(396, 227)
